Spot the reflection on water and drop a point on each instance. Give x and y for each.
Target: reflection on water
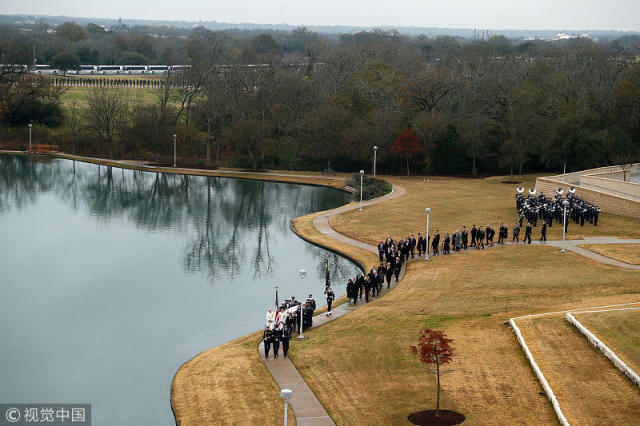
(112, 278)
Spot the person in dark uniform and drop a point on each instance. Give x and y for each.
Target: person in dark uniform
(330, 297)
(543, 232)
(275, 341)
(285, 337)
(527, 234)
(465, 237)
(596, 212)
(268, 338)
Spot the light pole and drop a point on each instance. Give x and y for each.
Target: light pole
(30, 127)
(565, 203)
(174, 150)
(285, 394)
(303, 275)
(426, 236)
(361, 175)
(375, 152)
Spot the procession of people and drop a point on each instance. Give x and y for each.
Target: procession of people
(393, 254)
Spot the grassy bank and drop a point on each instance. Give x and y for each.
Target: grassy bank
(620, 330)
(228, 384)
(628, 253)
(360, 367)
(589, 388)
(456, 202)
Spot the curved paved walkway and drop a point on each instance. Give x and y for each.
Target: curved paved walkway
(307, 408)
(572, 245)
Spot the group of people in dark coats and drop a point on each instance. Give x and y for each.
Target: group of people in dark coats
(281, 322)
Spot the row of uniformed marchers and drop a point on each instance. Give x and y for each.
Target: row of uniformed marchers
(536, 207)
(280, 323)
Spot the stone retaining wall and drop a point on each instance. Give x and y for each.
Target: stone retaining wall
(610, 200)
(632, 375)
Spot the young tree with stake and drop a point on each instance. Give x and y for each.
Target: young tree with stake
(434, 348)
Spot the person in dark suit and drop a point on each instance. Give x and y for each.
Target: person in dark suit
(445, 245)
(527, 233)
(474, 231)
(396, 268)
(543, 232)
(465, 237)
(480, 237)
(435, 243)
(420, 244)
(381, 250)
(388, 274)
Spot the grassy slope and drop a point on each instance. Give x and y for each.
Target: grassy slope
(456, 202)
(359, 363)
(228, 384)
(629, 253)
(620, 330)
(589, 389)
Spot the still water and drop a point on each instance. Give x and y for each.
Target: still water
(111, 279)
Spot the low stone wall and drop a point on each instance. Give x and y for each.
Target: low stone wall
(607, 202)
(604, 349)
(610, 196)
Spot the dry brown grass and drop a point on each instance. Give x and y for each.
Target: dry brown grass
(456, 202)
(620, 330)
(628, 253)
(590, 390)
(360, 368)
(228, 384)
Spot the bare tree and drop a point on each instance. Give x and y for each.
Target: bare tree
(106, 113)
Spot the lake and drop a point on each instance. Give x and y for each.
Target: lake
(112, 278)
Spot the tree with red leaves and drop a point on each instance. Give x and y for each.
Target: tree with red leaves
(406, 146)
(434, 348)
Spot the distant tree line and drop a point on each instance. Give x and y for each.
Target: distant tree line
(431, 105)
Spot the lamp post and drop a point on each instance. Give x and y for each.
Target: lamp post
(375, 152)
(426, 236)
(30, 127)
(361, 175)
(565, 203)
(285, 394)
(303, 275)
(174, 150)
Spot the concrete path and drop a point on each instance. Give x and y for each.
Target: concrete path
(306, 406)
(321, 223)
(572, 245)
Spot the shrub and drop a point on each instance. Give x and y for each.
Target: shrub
(372, 187)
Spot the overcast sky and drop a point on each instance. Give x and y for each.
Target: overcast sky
(491, 14)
